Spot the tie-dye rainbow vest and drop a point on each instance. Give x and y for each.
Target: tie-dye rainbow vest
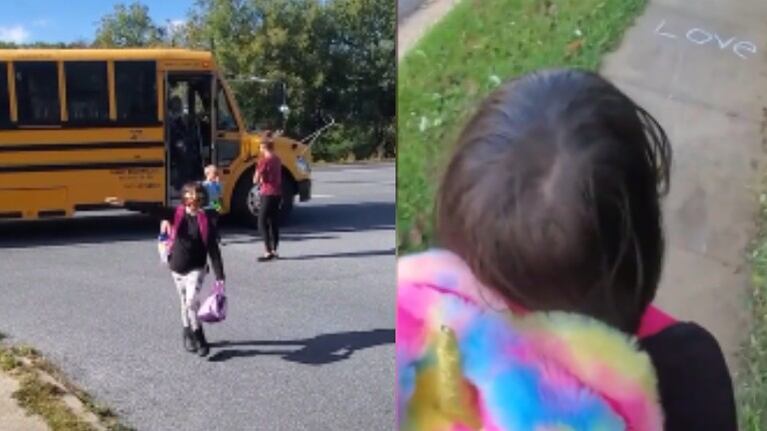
(465, 362)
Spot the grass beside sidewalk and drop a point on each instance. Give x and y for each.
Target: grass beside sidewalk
(470, 52)
(752, 380)
(42, 391)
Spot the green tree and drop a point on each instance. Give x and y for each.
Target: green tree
(336, 58)
(128, 26)
(44, 45)
(176, 34)
(273, 41)
(362, 49)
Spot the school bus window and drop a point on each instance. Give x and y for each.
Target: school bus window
(5, 107)
(224, 118)
(136, 91)
(37, 92)
(87, 91)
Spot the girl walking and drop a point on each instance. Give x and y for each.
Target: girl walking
(549, 219)
(193, 242)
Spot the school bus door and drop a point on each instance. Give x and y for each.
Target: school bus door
(227, 135)
(188, 127)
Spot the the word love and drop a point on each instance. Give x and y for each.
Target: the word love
(699, 36)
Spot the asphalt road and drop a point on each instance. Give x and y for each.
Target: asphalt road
(308, 344)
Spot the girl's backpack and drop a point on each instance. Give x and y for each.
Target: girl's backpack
(213, 309)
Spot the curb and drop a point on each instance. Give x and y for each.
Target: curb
(60, 395)
(67, 396)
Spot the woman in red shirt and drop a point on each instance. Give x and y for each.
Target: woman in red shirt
(269, 178)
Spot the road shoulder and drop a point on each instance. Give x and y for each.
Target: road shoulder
(12, 416)
(36, 396)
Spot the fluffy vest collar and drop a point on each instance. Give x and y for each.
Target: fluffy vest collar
(465, 361)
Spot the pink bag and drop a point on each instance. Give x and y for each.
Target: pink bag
(214, 308)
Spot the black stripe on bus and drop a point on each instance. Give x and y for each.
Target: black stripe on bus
(51, 213)
(79, 146)
(93, 207)
(88, 166)
(84, 125)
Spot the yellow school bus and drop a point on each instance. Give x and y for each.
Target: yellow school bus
(80, 125)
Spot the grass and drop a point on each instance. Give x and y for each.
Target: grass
(478, 45)
(752, 380)
(43, 399)
(38, 396)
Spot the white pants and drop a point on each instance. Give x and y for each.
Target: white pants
(188, 287)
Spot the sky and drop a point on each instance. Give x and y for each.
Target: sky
(26, 21)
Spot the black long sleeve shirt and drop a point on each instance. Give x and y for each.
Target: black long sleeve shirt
(189, 251)
(695, 387)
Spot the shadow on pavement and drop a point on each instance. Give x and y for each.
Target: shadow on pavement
(365, 253)
(251, 237)
(307, 222)
(343, 217)
(79, 230)
(320, 350)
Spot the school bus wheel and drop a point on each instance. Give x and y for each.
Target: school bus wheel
(244, 206)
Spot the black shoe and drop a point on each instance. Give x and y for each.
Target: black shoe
(190, 343)
(266, 258)
(203, 348)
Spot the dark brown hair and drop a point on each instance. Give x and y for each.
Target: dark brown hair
(197, 188)
(553, 197)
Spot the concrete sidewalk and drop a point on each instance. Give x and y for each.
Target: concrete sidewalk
(418, 18)
(700, 69)
(13, 417)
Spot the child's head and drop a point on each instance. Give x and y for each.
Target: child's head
(211, 173)
(193, 195)
(553, 197)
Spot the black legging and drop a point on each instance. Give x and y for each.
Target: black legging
(213, 217)
(268, 222)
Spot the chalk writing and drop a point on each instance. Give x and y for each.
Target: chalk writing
(745, 46)
(700, 36)
(659, 31)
